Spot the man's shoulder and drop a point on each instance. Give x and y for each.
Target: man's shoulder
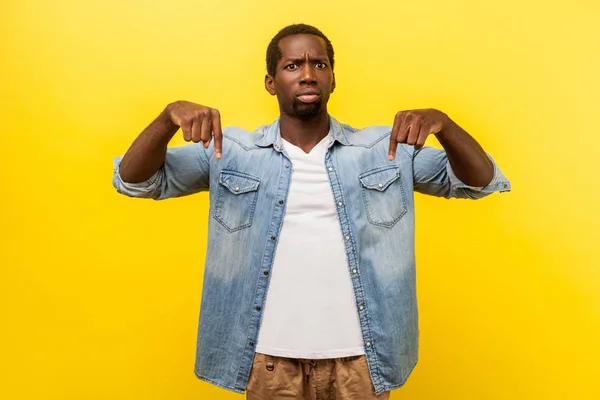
(362, 137)
(245, 138)
(366, 137)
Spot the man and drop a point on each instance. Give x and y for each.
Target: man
(309, 283)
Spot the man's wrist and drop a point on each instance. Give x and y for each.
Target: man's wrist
(448, 131)
(167, 124)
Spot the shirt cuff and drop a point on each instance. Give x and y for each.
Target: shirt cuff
(139, 189)
(499, 183)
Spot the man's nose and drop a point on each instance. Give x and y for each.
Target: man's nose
(308, 74)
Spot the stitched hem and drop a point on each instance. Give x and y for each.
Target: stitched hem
(219, 384)
(387, 388)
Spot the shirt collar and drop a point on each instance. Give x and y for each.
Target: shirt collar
(272, 136)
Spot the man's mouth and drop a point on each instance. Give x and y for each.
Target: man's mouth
(308, 95)
(308, 98)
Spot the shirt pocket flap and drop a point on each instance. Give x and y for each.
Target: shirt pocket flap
(380, 178)
(237, 182)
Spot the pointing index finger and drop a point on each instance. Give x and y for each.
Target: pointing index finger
(393, 146)
(394, 136)
(218, 134)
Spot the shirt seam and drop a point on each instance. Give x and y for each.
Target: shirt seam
(355, 254)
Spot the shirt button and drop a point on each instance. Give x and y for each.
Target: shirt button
(354, 271)
(330, 169)
(380, 185)
(251, 343)
(347, 237)
(368, 344)
(361, 308)
(265, 273)
(280, 201)
(340, 203)
(286, 165)
(237, 189)
(257, 308)
(272, 237)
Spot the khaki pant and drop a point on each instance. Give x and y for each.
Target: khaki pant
(278, 378)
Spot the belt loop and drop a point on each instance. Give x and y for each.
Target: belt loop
(270, 363)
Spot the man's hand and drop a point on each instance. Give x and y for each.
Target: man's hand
(198, 123)
(412, 127)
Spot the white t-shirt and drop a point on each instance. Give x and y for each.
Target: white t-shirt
(310, 310)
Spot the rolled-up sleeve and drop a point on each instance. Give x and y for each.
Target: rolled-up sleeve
(186, 170)
(434, 176)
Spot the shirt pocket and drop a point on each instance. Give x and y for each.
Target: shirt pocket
(236, 199)
(383, 194)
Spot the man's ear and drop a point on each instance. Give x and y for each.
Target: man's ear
(270, 84)
(333, 84)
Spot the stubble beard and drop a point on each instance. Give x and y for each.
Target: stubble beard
(305, 111)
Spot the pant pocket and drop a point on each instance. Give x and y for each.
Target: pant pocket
(273, 378)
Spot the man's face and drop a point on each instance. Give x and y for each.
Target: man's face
(304, 79)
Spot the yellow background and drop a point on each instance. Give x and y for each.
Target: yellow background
(100, 293)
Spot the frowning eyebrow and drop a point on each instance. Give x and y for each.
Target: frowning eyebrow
(302, 60)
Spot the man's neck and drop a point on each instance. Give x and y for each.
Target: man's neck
(304, 134)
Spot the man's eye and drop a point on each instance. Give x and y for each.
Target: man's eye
(320, 65)
(291, 67)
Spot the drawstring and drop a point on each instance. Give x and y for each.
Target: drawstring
(308, 364)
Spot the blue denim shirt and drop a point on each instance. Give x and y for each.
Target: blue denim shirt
(248, 190)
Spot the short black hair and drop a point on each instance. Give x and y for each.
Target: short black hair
(274, 51)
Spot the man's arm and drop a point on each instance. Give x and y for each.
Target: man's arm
(462, 169)
(151, 169)
(147, 153)
(469, 162)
